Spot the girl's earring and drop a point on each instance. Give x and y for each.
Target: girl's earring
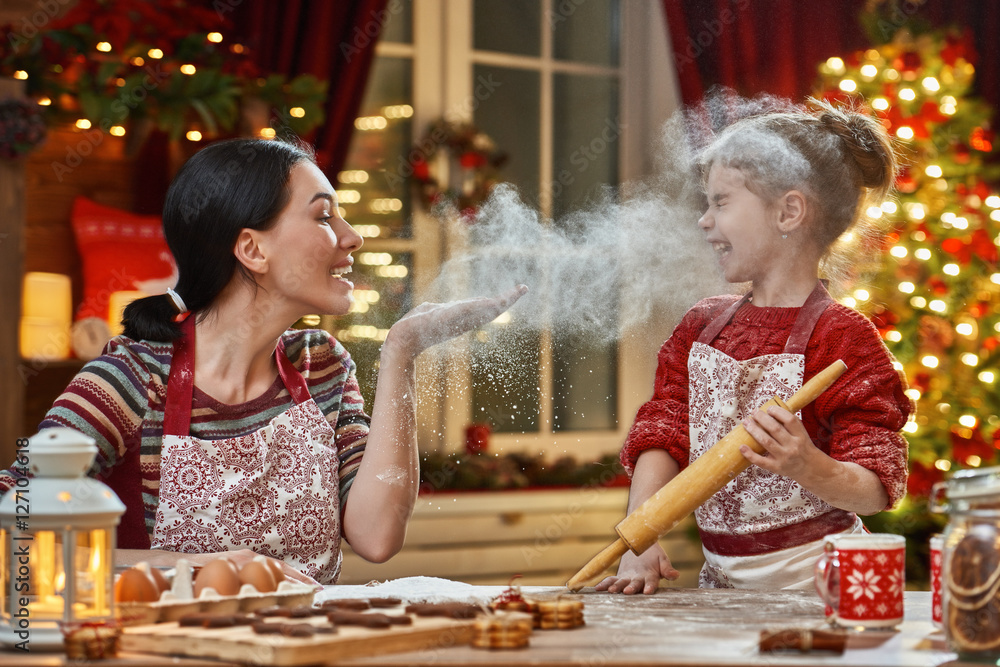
(784, 236)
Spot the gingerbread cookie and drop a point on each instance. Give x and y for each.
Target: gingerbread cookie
(446, 609)
(560, 614)
(502, 630)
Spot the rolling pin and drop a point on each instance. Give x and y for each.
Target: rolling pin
(695, 484)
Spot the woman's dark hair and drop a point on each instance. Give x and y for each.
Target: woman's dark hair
(224, 188)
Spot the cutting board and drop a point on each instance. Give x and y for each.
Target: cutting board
(242, 644)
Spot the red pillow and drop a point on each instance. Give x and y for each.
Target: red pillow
(119, 251)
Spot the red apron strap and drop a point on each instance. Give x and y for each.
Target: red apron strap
(290, 375)
(808, 315)
(180, 384)
(709, 333)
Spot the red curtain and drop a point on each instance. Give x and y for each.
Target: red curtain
(331, 39)
(774, 46)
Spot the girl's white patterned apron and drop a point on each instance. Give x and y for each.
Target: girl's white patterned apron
(762, 530)
(274, 491)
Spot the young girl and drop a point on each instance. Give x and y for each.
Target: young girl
(230, 432)
(781, 188)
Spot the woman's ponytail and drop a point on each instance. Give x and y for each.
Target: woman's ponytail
(151, 318)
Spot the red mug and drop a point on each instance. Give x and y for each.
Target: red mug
(861, 577)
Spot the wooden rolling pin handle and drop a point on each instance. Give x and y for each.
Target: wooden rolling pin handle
(598, 564)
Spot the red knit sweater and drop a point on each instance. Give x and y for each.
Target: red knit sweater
(857, 419)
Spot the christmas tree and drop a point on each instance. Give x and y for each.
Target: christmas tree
(935, 296)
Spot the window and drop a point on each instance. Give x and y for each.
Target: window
(574, 92)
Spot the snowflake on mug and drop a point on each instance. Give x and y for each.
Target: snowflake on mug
(895, 583)
(864, 583)
(881, 558)
(858, 558)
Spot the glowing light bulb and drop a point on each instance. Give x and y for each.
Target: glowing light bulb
(188, 69)
(21, 75)
(918, 302)
(929, 361)
(922, 253)
(836, 65)
(906, 287)
(995, 215)
(987, 377)
(116, 131)
(973, 460)
(848, 85)
(137, 61)
(891, 74)
(155, 54)
(214, 37)
(968, 421)
(869, 71)
(898, 251)
(992, 201)
(907, 94)
(348, 196)
(943, 465)
(970, 359)
(933, 170)
(297, 112)
(193, 135)
(874, 212)
(83, 124)
(960, 223)
(964, 329)
(862, 295)
(103, 47)
(904, 132)
(913, 394)
(995, 279)
(950, 269)
(849, 301)
(44, 102)
(880, 104)
(267, 133)
(916, 211)
(938, 306)
(893, 336)
(889, 206)
(910, 427)
(930, 84)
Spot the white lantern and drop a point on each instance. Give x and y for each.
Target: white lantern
(57, 540)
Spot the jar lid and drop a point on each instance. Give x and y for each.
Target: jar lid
(974, 483)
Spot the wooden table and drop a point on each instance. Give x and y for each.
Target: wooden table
(677, 626)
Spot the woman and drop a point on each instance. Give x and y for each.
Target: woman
(223, 430)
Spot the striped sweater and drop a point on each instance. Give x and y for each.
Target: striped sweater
(118, 399)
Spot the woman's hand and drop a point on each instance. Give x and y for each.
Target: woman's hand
(789, 450)
(431, 323)
(640, 574)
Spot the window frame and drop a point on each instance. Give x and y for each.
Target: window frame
(443, 61)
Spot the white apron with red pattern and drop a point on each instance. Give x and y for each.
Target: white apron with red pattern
(274, 491)
(762, 530)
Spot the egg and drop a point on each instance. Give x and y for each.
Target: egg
(259, 576)
(134, 585)
(161, 582)
(276, 570)
(220, 574)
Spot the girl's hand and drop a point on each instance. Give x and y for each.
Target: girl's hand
(640, 574)
(789, 449)
(431, 323)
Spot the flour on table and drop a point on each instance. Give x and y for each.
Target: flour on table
(415, 589)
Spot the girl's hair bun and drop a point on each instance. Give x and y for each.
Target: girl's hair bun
(866, 141)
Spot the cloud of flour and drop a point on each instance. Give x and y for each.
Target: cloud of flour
(629, 255)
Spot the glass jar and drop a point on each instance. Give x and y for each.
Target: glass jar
(970, 570)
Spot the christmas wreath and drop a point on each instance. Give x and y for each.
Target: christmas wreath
(22, 127)
(473, 164)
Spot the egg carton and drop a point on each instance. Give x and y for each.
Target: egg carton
(180, 600)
